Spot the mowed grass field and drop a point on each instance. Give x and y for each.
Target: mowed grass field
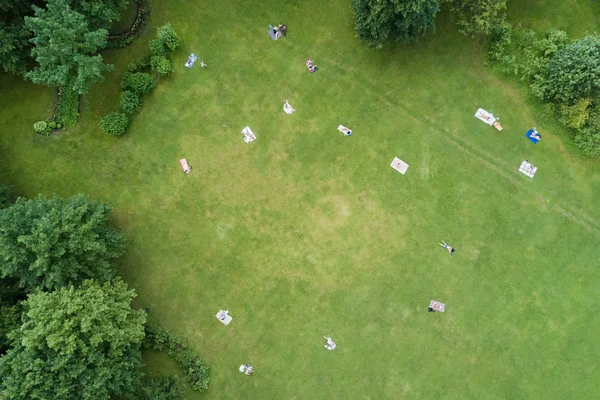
(305, 233)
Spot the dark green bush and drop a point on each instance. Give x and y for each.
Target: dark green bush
(157, 48)
(114, 124)
(574, 71)
(161, 65)
(167, 35)
(163, 388)
(130, 102)
(155, 338)
(67, 109)
(196, 371)
(498, 42)
(138, 82)
(587, 141)
(125, 38)
(140, 64)
(5, 196)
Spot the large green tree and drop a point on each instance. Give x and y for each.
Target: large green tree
(10, 310)
(574, 72)
(65, 48)
(477, 17)
(14, 35)
(79, 343)
(100, 13)
(5, 195)
(382, 21)
(49, 243)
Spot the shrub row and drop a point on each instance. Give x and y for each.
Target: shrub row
(559, 71)
(160, 388)
(196, 371)
(66, 114)
(127, 37)
(138, 82)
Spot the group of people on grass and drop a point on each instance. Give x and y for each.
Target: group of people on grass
(279, 30)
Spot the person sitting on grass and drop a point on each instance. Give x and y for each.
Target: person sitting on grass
(447, 247)
(330, 343)
(311, 67)
(248, 369)
(282, 29)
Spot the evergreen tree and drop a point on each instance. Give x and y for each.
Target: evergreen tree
(65, 48)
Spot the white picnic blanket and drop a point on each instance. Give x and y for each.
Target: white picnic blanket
(485, 116)
(224, 317)
(528, 169)
(399, 165)
(437, 306)
(287, 107)
(249, 136)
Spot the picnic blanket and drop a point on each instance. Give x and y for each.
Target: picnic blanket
(184, 165)
(344, 130)
(249, 136)
(437, 306)
(486, 117)
(399, 165)
(224, 317)
(528, 169)
(274, 35)
(533, 135)
(191, 60)
(287, 107)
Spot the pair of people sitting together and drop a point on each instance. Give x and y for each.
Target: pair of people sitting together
(279, 30)
(311, 67)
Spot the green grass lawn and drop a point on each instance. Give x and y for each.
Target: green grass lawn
(305, 233)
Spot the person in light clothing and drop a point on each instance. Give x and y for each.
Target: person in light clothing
(330, 343)
(447, 247)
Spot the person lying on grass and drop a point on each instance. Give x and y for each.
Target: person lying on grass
(447, 247)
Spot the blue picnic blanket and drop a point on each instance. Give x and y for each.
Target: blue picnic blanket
(191, 60)
(533, 135)
(272, 33)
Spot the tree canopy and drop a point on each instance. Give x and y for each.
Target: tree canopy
(4, 196)
(100, 13)
(73, 343)
(49, 243)
(574, 72)
(65, 48)
(14, 35)
(478, 16)
(382, 21)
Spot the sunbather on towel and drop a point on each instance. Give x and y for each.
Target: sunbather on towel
(449, 248)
